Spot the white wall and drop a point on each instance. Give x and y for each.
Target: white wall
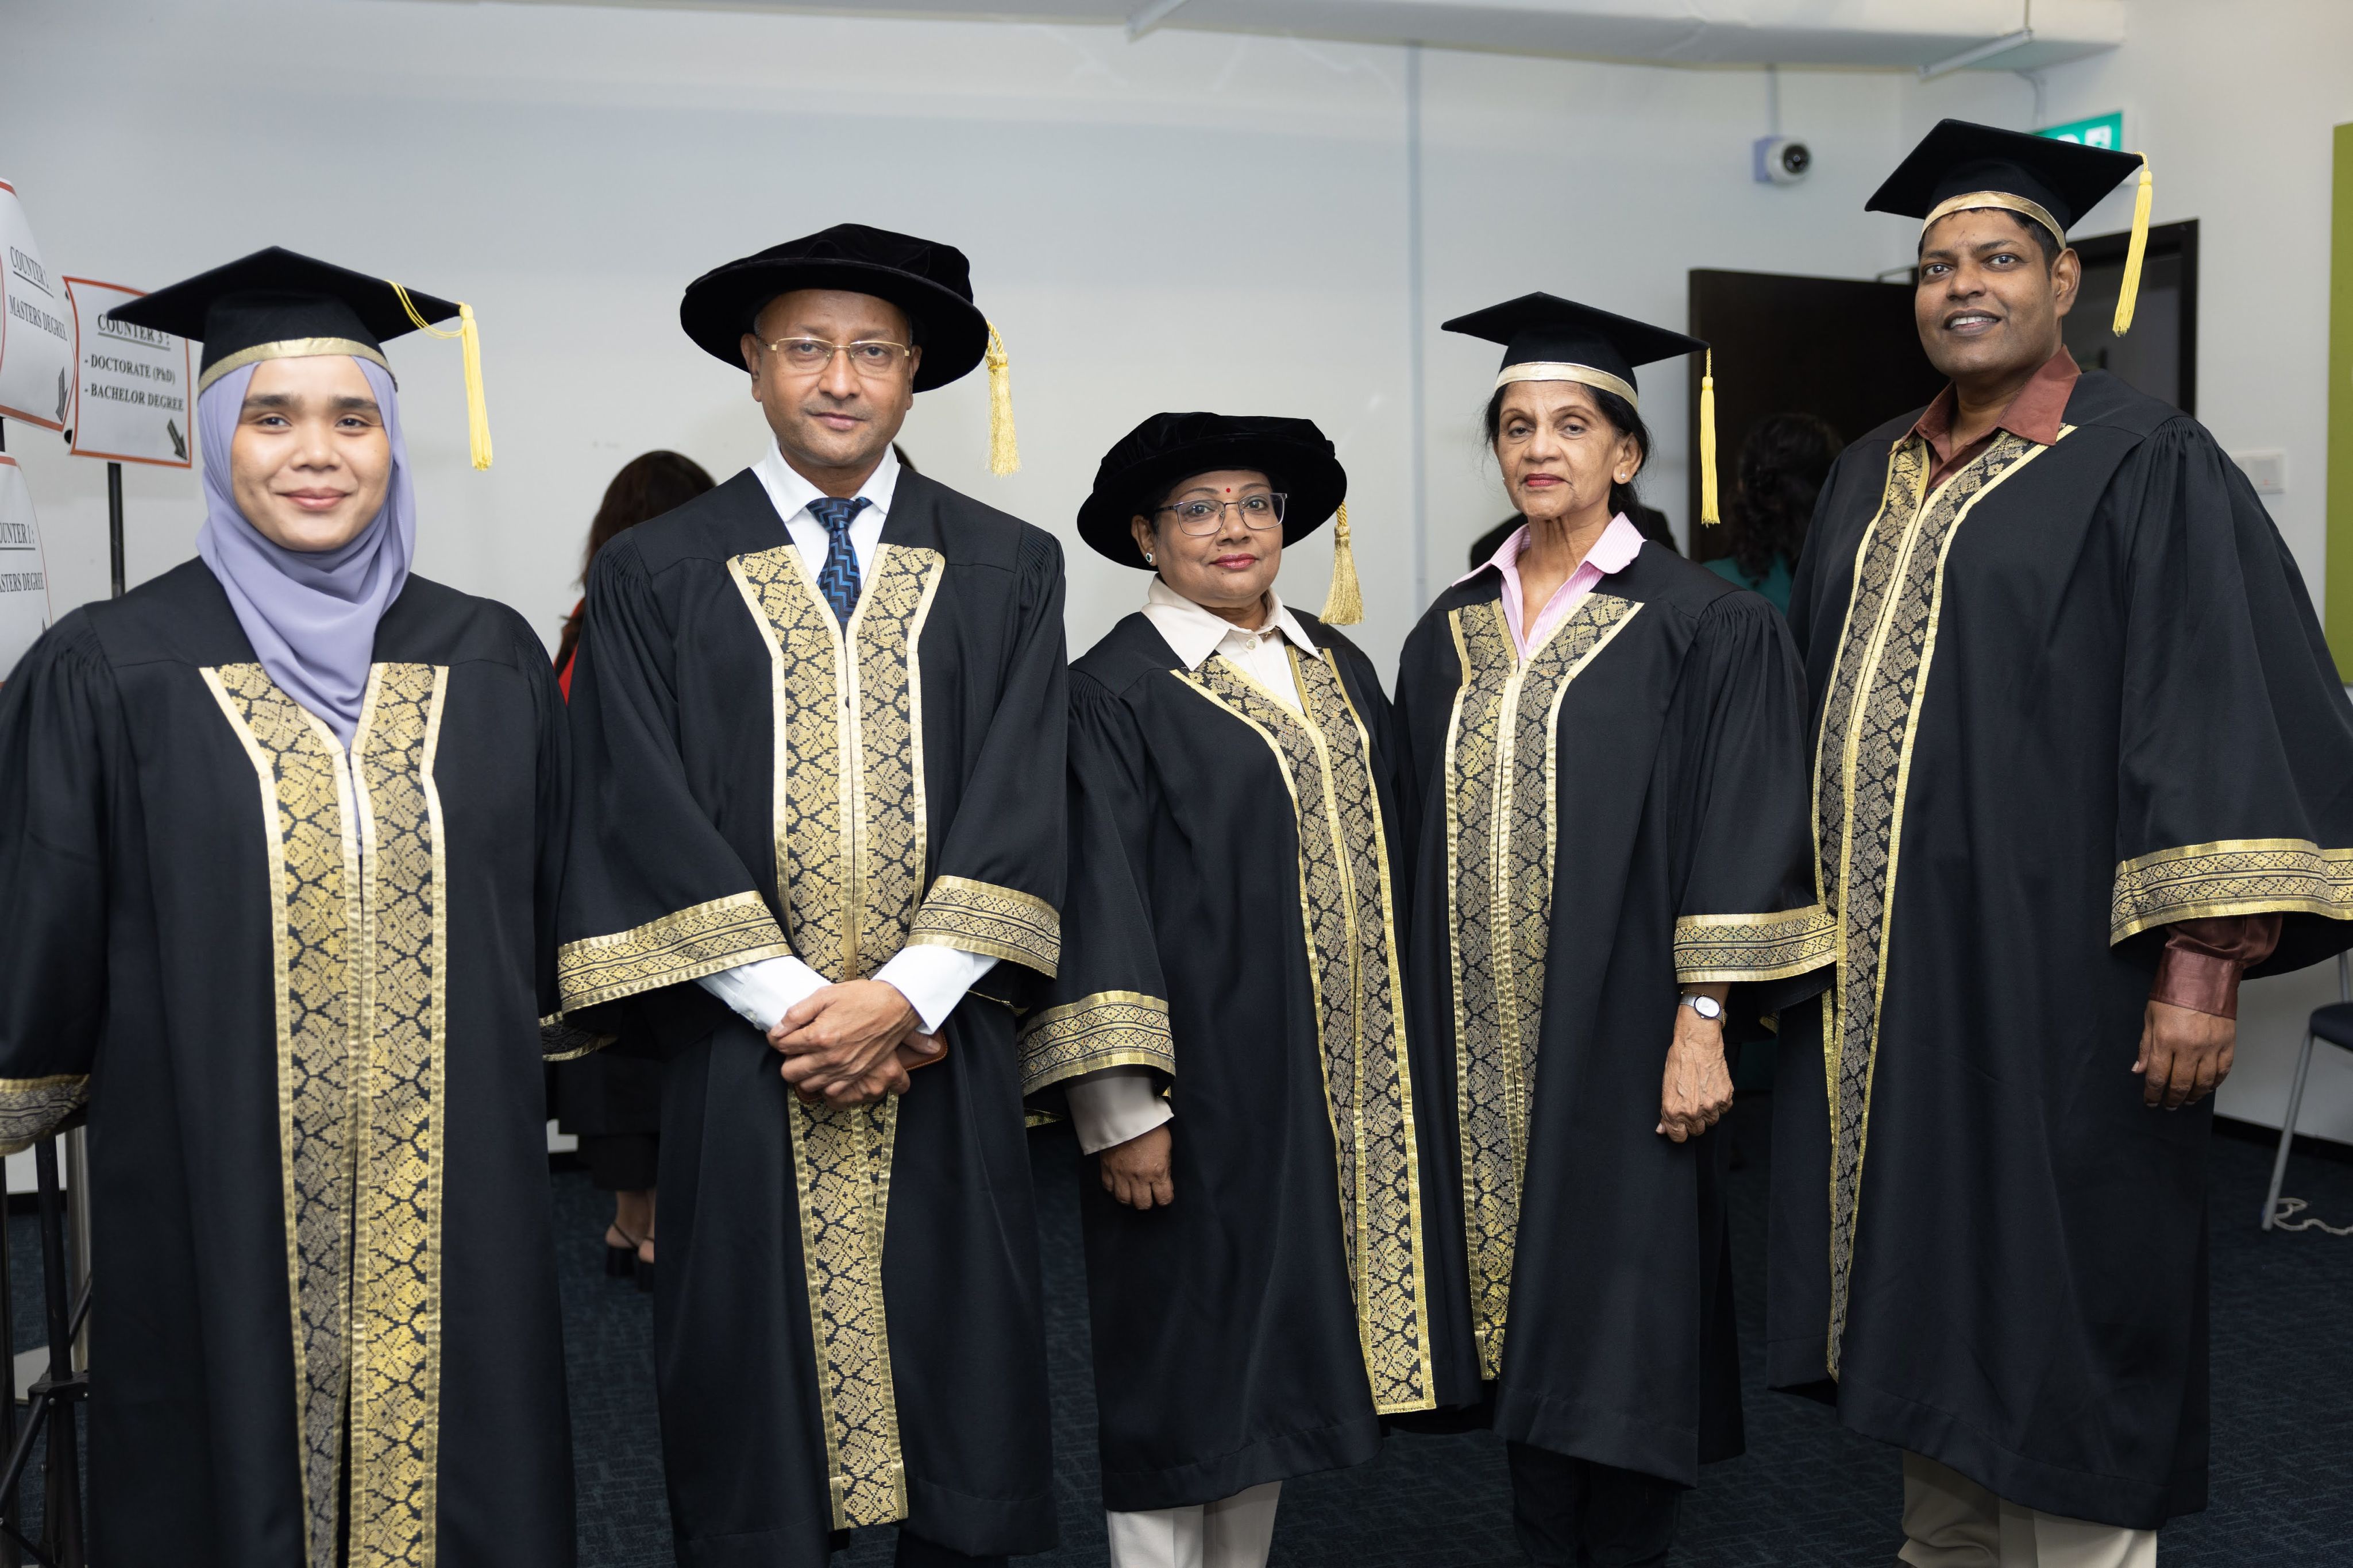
(1190, 221)
(2234, 105)
(1187, 221)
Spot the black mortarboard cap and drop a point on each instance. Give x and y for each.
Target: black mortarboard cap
(930, 282)
(277, 304)
(1957, 160)
(1296, 458)
(1960, 165)
(1548, 338)
(1546, 330)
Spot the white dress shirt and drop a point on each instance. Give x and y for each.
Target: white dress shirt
(931, 979)
(1112, 1105)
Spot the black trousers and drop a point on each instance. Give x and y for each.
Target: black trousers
(1574, 1513)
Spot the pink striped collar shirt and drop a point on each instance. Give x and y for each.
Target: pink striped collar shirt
(1612, 553)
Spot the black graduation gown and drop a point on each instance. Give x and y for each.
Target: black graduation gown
(303, 1010)
(1235, 921)
(2071, 695)
(848, 1321)
(1623, 812)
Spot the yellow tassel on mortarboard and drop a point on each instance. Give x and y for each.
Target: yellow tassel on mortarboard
(1004, 451)
(1708, 510)
(469, 336)
(2127, 296)
(1345, 604)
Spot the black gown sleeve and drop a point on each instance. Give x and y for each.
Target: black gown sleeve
(58, 714)
(1748, 910)
(2235, 759)
(1107, 1005)
(652, 894)
(998, 887)
(550, 817)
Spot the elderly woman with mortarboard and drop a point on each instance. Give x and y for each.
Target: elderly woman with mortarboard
(1608, 742)
(1229, 1025)
(280, 830)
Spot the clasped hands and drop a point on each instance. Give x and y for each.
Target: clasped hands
(853, 1043)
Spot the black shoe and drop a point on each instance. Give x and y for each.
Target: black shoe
(621, 1262)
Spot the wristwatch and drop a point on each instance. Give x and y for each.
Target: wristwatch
(1707, 1007)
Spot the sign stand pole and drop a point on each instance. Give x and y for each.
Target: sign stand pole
(114, 523)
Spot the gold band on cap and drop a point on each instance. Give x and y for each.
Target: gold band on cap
(289, 348)
(2001, 199)
(1557, 370)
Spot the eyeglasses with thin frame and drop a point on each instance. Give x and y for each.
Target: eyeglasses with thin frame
(873, 358)
(1202, 516)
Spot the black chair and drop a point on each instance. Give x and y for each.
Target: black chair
(2334, 1024)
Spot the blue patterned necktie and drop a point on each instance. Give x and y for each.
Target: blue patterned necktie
(839, 581)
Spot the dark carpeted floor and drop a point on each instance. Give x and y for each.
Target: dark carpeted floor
(1806, 1493)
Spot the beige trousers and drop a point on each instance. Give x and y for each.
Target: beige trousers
(1950, 1522)
(1234, 1533)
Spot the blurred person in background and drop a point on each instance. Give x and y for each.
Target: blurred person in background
(611, 1100)
(1782, 466)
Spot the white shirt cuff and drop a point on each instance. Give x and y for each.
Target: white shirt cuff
(934, 979)
(1110, 1106)
(762, 992)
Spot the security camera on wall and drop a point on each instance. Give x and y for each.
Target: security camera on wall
(1781, 160)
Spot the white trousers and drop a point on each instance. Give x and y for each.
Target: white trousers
(1233, 1534)
(1950, 1522)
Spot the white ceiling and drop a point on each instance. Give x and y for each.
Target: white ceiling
(1886, 34)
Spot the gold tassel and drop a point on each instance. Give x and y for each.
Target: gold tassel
(1345, 604)
(478, 414)
(1004, 451)
(2130, 295)
(469, 337)
(1709, 513)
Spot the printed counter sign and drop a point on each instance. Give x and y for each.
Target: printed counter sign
(36, 326)
(132, 391)
(24, 580)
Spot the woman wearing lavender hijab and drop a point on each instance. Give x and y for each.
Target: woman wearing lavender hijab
(278, 839)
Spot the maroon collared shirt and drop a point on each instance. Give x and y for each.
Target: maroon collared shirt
(2203, 959)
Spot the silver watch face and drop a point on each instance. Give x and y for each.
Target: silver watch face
(1705, 1006)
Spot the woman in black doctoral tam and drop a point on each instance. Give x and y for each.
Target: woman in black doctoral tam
(818, 713)
(280, 831)
(1607, 743)
(2082, 758)
(1236, 906)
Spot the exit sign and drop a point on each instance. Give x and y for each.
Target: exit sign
(2100, 130)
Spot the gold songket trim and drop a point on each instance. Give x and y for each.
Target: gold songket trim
(993, 921)
(2002, 199)
(290, 348)
(851, 843)
(359, 955)
(2231, 877)
(31, 1109)
(699, 940)
(1502, 829)
(561, 1040)
(1564, 370)
(1348, 928)
(1753, 947)
(1862, 767)
(1106, 1029)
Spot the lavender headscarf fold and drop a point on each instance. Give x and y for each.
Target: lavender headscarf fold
(310, 615)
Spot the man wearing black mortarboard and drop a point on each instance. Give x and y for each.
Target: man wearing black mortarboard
(820, 715)
(2079, 764)
(281, 832)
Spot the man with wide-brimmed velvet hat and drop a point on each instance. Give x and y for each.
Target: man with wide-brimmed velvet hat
(821, 718)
